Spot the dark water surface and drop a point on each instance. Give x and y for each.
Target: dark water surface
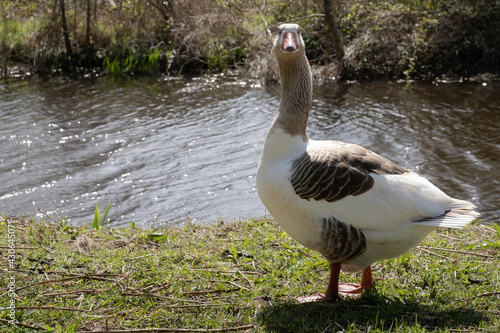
(187, 150)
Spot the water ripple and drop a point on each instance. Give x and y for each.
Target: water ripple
(188, 149)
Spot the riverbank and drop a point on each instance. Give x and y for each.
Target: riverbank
(235, 276)
(381, 39)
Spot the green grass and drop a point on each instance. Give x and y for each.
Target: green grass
(240, 276)
(99, 222)
(136, 63)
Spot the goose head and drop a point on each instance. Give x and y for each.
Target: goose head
(288, 43)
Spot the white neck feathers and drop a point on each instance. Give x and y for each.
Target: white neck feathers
(296, 94)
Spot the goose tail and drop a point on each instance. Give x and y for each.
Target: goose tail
(457, 214)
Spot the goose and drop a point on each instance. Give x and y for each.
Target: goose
(349, 204)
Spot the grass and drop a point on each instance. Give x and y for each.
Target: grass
(239, 276)
(99, 222)
(138, 64)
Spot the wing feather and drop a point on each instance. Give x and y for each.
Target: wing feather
(335, 170)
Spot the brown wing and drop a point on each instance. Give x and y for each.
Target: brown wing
(336, 170)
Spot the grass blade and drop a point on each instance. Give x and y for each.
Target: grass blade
(106, 213)
(96, 224)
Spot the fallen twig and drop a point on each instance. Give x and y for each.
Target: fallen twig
(244, 276)
(492, 293)
(216, 291)
(63, 272)
(219, 271)
(33, 327)
(93, 277)
(50, 217)
(487, 228)
(150, 295)
(237, 285)
(219, 281)
(161, 297)
(59, 280)
(201, 305)
(456, 251)
(303, 253)
(50, 307)
(430, 252)
(229, 329)
(87, 291)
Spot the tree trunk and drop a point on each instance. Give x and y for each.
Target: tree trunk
(87, 34)
(69, 50)
(333, 29)
(3, 43)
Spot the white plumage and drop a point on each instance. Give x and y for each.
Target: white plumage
(346, 202)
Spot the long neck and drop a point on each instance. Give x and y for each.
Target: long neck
(296, 96)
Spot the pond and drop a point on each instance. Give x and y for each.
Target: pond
(175, 151)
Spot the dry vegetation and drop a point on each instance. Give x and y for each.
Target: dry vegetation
(397, 38)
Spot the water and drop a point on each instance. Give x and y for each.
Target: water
(169, 152)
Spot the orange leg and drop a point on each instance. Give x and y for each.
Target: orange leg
(367, 278)
(347, 289)
(332, 291)
(335, 289)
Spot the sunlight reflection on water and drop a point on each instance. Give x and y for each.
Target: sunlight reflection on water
(188, 149)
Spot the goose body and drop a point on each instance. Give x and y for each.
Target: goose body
(346, 202)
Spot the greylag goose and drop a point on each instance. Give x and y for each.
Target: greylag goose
(349, 204)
